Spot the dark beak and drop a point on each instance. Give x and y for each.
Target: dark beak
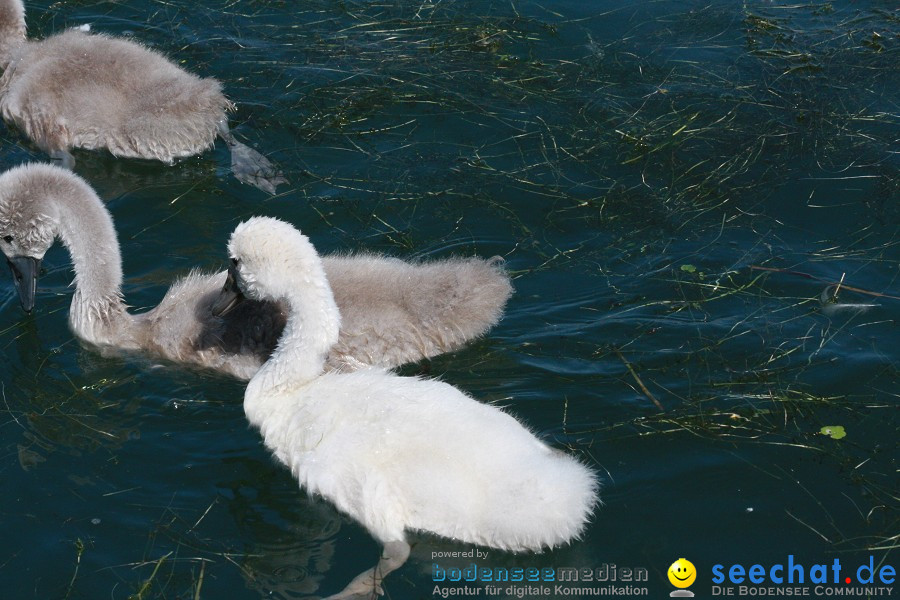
(229, 297)
(25, 270)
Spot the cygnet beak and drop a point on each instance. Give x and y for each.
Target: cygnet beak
(25, 270)
(229, 297)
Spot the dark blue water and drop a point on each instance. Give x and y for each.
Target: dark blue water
(632, 161)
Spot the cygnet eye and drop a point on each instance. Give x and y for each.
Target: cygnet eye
(234, 261)
(8, 239)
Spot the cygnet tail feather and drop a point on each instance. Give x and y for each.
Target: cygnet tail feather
(481, 299)
(179, 119)
(395, 312)
(551, 508)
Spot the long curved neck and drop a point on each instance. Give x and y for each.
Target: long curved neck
(12, 29)
(97, 314)
(312, 328)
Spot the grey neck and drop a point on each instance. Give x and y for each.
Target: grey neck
(97, 314)
(12, 29)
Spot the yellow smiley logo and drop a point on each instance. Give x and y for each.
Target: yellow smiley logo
(682, 573)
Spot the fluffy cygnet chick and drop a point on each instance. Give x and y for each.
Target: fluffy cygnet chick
(396, 311)
(395, 453)
(80, 90)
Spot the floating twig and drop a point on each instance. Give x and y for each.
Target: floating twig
(840, 284)
(640, 383)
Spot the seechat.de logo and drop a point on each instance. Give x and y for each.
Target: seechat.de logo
(682, 574)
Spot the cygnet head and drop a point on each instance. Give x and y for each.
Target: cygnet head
(30, 219)
(270, 260)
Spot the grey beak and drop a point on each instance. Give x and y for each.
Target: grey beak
(25, 270)
(229, 297)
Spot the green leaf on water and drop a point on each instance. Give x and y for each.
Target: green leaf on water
(689, 268)
(835, 432)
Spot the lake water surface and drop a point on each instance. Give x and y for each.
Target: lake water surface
(639, 165)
